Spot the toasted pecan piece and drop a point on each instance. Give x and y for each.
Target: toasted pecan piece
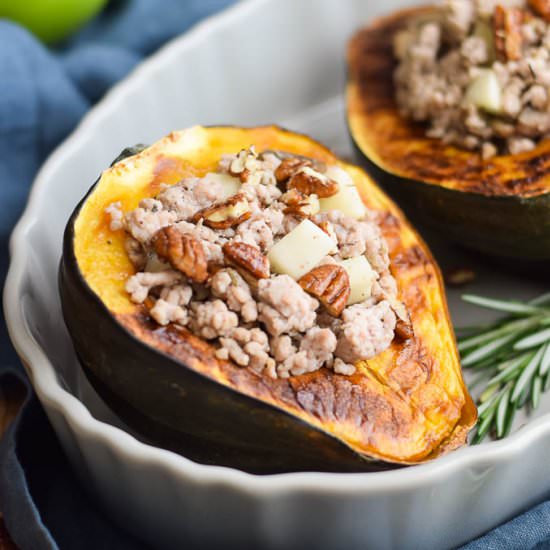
(299, 204)
(230, 213)
(329, 283)
(507, 32)
(541, 8)
(308, 181)
(298, 210)
(248, 258)
(241, 166)
(183, 252)
(293, 197)
(289, 166)
(327, 227)
(403, 330)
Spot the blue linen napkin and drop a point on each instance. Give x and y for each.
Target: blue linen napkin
(43, 94)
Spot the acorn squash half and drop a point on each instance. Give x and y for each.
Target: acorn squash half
(407, 405)
(500, 206)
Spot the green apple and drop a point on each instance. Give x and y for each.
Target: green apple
(51, 20)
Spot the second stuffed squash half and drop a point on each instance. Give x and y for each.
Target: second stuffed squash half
(490, 200)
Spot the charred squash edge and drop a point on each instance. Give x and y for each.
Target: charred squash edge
(500, 206)
(274, 441)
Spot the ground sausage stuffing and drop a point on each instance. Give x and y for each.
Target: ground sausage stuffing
(478, 73)
(201, 252)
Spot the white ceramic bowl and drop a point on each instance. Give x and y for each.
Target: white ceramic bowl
(259, 62)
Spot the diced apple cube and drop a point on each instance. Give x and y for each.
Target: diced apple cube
(484, 91)
(361, 278)
(347, 200)
(339, 175)
(300, 250)
(229, 185)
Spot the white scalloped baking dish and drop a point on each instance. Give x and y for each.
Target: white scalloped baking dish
(261, 61)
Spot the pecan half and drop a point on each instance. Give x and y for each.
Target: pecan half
(230, 213)
(507, 31)
(329, 283)
(289, 166)
(309, 181)
(540, 7)
(248, 258)
(183, 252)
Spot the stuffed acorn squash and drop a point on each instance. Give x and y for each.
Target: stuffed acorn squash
(458, 131)
(267, 377)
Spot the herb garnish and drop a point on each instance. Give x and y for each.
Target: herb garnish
(512, 356)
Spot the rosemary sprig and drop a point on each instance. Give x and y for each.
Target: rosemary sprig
(512, 358)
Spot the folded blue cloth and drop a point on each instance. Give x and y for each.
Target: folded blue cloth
(43, 95)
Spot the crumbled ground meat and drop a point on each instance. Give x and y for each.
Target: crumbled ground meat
(186, 198)
(356, 237)
(117, 217)
(140, 284)
(248, 348)
(319, 343)
(285, 307)
(341, 367)
(316, 349)
(164, 312)
(365, 332)
(282, 347)
(143, 222)
(441, 60)
(135, 252)
(228, 285)
(257, 231)
(270, 325)
(212, 319)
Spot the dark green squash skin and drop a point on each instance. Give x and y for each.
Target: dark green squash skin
(506, 226)
(164, 401)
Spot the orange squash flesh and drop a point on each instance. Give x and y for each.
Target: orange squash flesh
(407, 405)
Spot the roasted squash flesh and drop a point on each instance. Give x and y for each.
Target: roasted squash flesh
(406, 405)
(499, 205)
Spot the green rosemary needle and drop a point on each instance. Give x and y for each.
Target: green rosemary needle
(512, 358)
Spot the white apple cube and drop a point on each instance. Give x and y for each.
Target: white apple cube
(339, 175)
(229, 185)
(361, 278)
(347, 200)
(485, 92)
(300, 250)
